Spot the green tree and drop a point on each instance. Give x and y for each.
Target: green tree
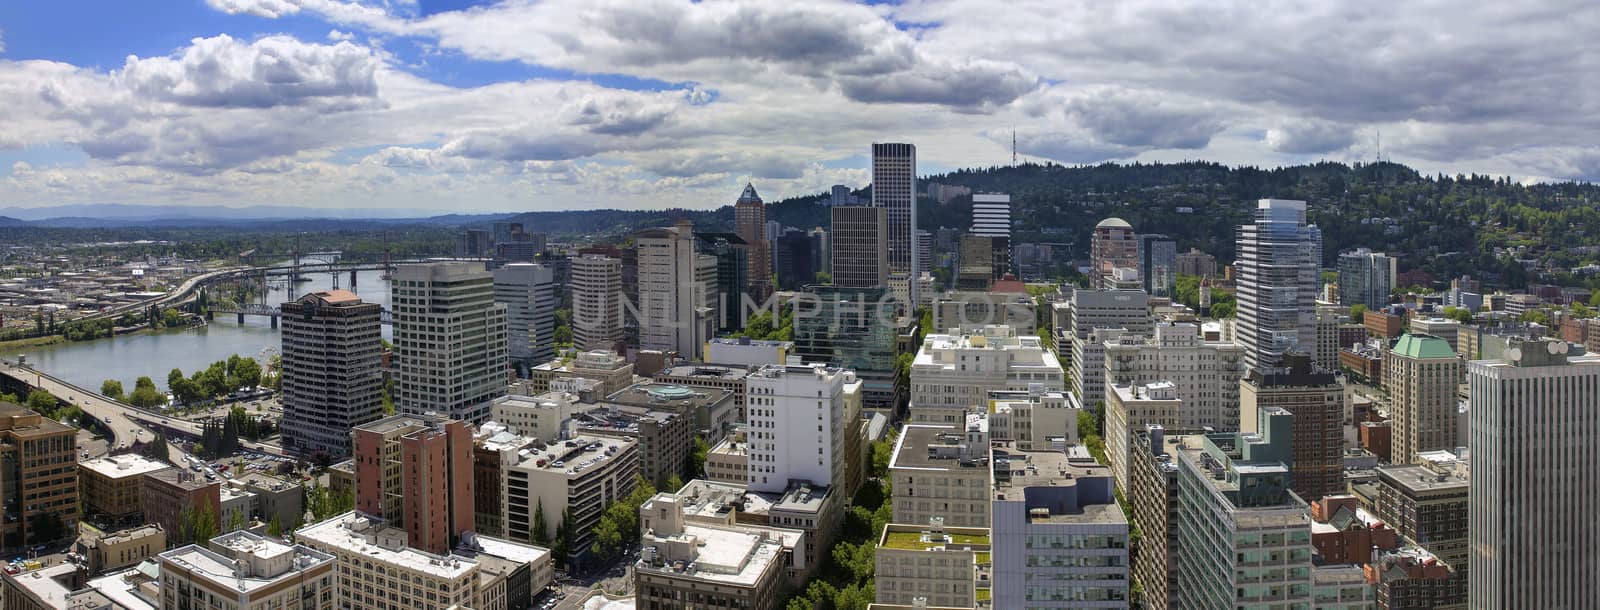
(540, 528)
(824, 278)
(674, 483)
(1536, 316)
(146, 397)
(1357, 311)
(562, 549)
(275, 527)
(1222, 310)
(1458, 314)
(144, 382)
(248, 372)
(173, 376)
(112, 389)
(196, 525)
(43, 402)
(697, 458)
(325, 503)
(186, 391)
(171, 318)
(156, 449)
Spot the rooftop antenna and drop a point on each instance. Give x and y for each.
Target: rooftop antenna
(1380, 146)
(1013, 145)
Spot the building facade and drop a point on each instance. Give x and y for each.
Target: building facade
(579, 476)
(1366, 278)
(597, 310)
(1317, 400)
(38, 479)
(242, 570)
(894, 188)
(1112, 245)
(750, 223)
(953, 374)
(1421, 375)
(450, 339)
(1533, 490)
(1276, 273)
(1204, 373)
(332, 377)
(415, 472)
(529, 293)
(112, 485)
(860, 253)
(785, 403)
(943, 472)
(677, 291)
(1059, 538)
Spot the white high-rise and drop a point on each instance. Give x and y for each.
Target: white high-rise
(677, 291)
(596, 302)
(449, 339)
(1277, 266)
(894, 188)
(528, 290)
(1532, 532)
(991, 215)
(798, 419)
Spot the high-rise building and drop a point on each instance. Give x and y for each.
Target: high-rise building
(717, 564)
(953, 374)
(1035, 419)
(1366, 278)
(976, 268)
(1317, 399)
(924, 254)
(821, 249)
(1197, 263)
(860, 252)
(894, 188)
(929, 565)
(854, 329)
(750, 223)
(1277, 273)
(1205, 374)
(1131, 408)
(475, 243)
(528, 290)
(792, 258)
(1244, 539)
(112, 485)
(991, 215)
(332, 376)
(1041, 497)
(1113, 245)
(1534, 481)
(1152, 495)
(416, 473)
(450, 340)
(733, 274)
(1158, 264)
(37, 478)
(1084, 313)
(677, 291)
(550, 480)
(596, 302)
(785, 402)
(1421, 374)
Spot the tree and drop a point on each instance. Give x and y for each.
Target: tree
(1536, 316)
(171, 318)
(275, 527)
(144, 382)
(172, 378)
(539, 526)
(1357, 311)
(156, 449)
(112, 389)
(324, 503)
(697, 458)
(562, 548)
(1459, 314)
(824, 278)
(43, 402)
(146, 397)
(1222, 310)
(247, 372)
(47, 527)
(674, 482)
(196, 525)
(185, 390)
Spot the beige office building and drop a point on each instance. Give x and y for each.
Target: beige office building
(953, 374)
(1422, 375)
(243, 571)
(942, 471)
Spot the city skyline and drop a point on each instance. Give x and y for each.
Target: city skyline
(235, 102)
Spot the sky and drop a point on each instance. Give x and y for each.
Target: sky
(516, 105)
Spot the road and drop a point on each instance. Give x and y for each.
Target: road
(172, 296)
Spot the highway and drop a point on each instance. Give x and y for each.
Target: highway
(122, 418)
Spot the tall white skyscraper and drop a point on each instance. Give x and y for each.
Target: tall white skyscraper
(449, 339)
(799, 416)
(1366, 278)
(1278, 260)
(528, 290)
(596, 302)
(1532, 532)
(332, 370)
(894, 188)
(991, 215)
(677, 291)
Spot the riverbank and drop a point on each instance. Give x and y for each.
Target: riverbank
(14, 344)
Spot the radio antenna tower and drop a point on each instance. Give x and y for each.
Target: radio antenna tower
(1013, 145)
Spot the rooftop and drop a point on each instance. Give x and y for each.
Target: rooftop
(1421, 479)
(122, 588)
(1423, 346)
(657, 395)
(734, 556)
(575, 455)
(43, 584)
(926, 447)
(255, 562)
(919, 540)
(355, 533)
(180, 478)
(505, 549)
(1016, 469)
(123, 466)
(706, 371)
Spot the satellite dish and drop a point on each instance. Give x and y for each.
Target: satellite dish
(1554, 347)
(1514, 354)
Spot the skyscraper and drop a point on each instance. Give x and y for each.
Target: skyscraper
(750, 222)
(860, 253)
(596, 302)
(793, 256)
(1366, 278)
(1113, 245)
(991, 214)
(1277, 270)
(733, 275)
(1420, 374)
(450, 340)
(894, 188)
(528, 290)
(1158, 263)
(677, 291)
(1535, 480)
(332, 376)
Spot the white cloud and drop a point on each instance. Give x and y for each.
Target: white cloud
(272, 71)
(1303, 136)
(271, 9)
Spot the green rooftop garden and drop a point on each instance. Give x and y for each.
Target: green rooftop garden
(912, 541)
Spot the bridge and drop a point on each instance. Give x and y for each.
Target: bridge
(258, 309)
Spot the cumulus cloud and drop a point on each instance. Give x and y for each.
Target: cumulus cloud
(1304, 136)
(272, 71)
(270, 9)
(759, 165)
(1144, 119)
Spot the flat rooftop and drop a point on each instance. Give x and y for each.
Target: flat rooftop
(507, 550)
(1416, 478)
(181, 479)
(708, 372)
(355, 533)
(924, 541)
(1052, 469)
(220, 569)
(723, 555)
(575, 455)
(42, 584)
(123, 466)
(658, 395)
(912, 449)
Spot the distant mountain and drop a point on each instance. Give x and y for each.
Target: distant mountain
(120, 214)
(7, 221)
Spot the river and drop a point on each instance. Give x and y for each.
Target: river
(126, 358)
